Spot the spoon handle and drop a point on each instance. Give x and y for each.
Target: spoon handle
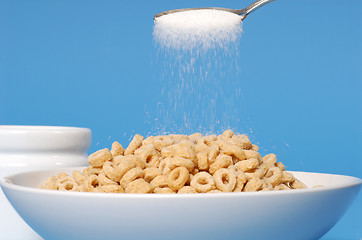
(252, 7)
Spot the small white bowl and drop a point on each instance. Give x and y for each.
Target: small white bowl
(291, 214)
(25, 148)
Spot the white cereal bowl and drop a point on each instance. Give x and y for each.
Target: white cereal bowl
(292, 214)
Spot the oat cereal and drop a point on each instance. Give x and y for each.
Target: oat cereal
(179, 164)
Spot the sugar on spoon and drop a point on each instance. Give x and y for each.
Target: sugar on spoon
(242, 12)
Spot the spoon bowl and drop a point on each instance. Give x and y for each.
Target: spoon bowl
(242, 12)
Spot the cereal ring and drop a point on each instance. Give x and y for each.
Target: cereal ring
(91, 183)
(241, 179)
(163, 190)
(281, 187)
(117, 149)
(183, 149)
(151, 173)
(155, 162)
(252, 154)
(202, 160)
(177, 178)
(205, 143)
(138, 186)
(212, 154)
(92, 170)
(253, 185)
(247, 145)
(134, 144)
(130, 176)
(186, 149)
(228, 134)
(195, 137)
(64, 179)
(297, 185)
(124, 166)
(214, 191)
(148, 141)
(111, 171)
(186, 189)
(147, 155)
(188, 146)
(109, 189)
(242, 141)
(98, 158)
(104, 180)
(254, 147)
(181, 162)
(267, 186)
(280, 165)
(247, 165)
(203, 182)
(189, 180)
(178, 137)
(68, 186)
(236, 141)
(270, 160)
(222, 161)
(275, 176)
(78, 177)
(225, 180)
(165, 166)
(266, 190)
(161, 142)
(50, 184)
(231, 150)
(81, 188)
(287, 177)
(234, 169)
(167, 152)
(61, 175)
(255, 173)
(264, 167)
(159, 181)
(138, 161)
(117, 159)
(210, 140)
(201, 145)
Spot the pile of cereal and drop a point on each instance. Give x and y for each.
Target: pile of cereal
(179, 164)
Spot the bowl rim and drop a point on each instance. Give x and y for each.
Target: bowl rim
(39, 128)
(6, 182)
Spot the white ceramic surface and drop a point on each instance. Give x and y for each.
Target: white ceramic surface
(292, 214)
(25, 148)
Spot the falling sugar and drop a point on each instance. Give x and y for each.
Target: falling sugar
(197, 52)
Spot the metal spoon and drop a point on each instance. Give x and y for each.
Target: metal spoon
(242, 12)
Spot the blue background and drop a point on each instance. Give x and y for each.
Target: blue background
(92, 64)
